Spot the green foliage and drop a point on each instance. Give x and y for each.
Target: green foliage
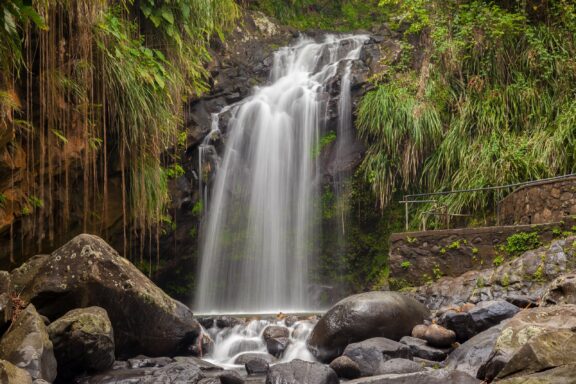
(406, 264)
(493, 103)
(14, 16)
(198, 208)
(175, 171)
(521, 242)
(332, 15)
(437, 272)
(498, 260)
(505, 280)
(325, 141)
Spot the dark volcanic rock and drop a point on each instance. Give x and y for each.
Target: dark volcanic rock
(26, 344)
(83, 341)
(561, 291)
(428, 377)
(345, 367)
(173, 373)
(301, 372)
(372, 353)
(274, 332)
(474, 353)
(256, 366)
(88, 272)
(277, 346)
(420, 348)
(483, 316)
(359, 317)
(399, 366)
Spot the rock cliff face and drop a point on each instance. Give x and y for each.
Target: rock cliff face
(242, 62)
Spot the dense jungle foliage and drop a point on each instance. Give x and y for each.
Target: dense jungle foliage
(483, 95)
(107, 79)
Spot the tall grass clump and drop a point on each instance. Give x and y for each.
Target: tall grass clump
(497, 84)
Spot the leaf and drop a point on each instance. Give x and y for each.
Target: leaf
(155, 20)
(60, 135)
(29, 12)
(167, 15)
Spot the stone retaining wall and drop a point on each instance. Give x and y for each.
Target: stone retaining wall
(545, 202)
(417, 258)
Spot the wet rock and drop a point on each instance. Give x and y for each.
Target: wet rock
(428, 377)
(399, 366)
(301, 372)
(246, 357)
(88, 272)
(277, 346)
(545, 351)
(372, 353)
(26, 344)
(173, 373)
(210, 380)
(227, 321)
(275, 332)
(149, 362)
(474, 353)
(561, 291)
(83, 341)
(521, 329)
(420, 348)
(419, 331)
(345, 367)
(256, 366)
(228, 377)
(439, 337)
(202, 364)
(483, 316)
(11, 374)
(290, 320)
(359, 317)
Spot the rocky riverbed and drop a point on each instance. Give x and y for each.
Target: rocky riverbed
(84, 314)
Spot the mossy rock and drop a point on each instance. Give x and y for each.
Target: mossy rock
(88, 272)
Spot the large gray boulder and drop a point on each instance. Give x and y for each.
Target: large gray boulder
(373, 314)
(474, 353)
(561, 291)
(83, 341)
(439, 376)
(88, 272)
(543, 352)
(11, 374)
(565, 374)
(26, 345)
(372, 353)
(301, 372)
(525, 326)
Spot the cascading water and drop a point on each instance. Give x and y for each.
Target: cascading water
(261, 229)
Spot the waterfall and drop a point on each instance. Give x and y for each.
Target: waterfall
(262, 226)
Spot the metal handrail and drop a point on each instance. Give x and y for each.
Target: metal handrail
(413, 198)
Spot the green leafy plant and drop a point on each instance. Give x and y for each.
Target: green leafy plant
(521, 242)
(406, 264)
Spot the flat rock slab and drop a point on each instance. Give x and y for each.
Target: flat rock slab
(428, 377)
